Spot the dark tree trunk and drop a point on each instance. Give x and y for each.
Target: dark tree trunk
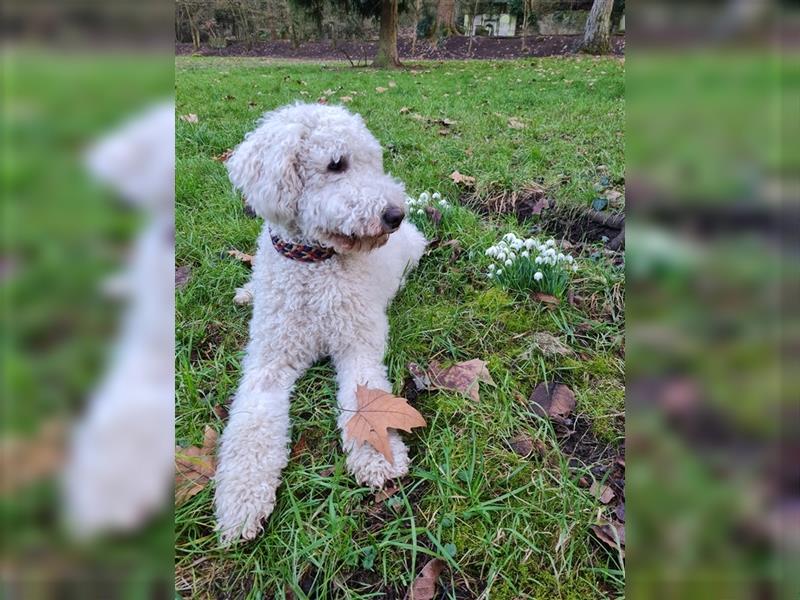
(445, 18)
(387, 42)
(597, 39)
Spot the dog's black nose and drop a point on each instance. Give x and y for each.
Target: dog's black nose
(392, 217)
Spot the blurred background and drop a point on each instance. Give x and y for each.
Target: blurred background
(714, 474)
(712, 251)
(77, 78)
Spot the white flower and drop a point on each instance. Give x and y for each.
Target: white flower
(442, 202)
(551, 242)
(491, 251)
(424, 197)
(437, 196)
(551, 252)
(574, 267)
(509, 237)
(509, 262)
(499, 272)
(570, 259)
(512, 255)
(530, 243)
(420, 211)
(501, 255)
(517, 244)
(492, 267)
(539, 260)
(538, 276)
(525, 254)
(561, 256)
(489, 275)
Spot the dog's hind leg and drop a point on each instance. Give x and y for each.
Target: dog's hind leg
(254, 447)
(244, 294)
(361, 364)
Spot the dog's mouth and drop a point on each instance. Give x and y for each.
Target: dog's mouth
(353, 243)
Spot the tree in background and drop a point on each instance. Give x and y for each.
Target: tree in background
(386, 11)
(445, 23)
(597, 39)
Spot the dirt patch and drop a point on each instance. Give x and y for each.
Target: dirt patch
(578, 227)
(528, 202)
(455, 47)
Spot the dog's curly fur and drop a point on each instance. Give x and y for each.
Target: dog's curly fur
(303, 311)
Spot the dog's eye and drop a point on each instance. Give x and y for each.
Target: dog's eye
(338, 165)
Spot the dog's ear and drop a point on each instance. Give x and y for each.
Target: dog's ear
(264, 168)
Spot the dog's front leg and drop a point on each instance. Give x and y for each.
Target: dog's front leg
(253, 450)
(363, 366)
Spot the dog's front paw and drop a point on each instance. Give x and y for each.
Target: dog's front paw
(243, 296)
(371, 468)
(241, 512)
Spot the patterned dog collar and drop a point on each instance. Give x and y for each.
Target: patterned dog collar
(301, 252)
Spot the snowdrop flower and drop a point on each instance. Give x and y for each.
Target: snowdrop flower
(420, 211)
(574, 268)
(490, 275)
(499, 272)
(551, 242)
(561, 256)
(490, 251)
(424, 197)
(508, 263)
(442, 203)
(512, 255)
(570, 260)
(529, 243)
(509, 237)
(538, 276)
(501, 255)
(492, 267)
(437, 196)
(525, 254)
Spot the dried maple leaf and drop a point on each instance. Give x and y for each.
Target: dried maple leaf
(241, 256)
(467, 180)
(378, 411)
(424, 586)
(194, 467)
(461, 377)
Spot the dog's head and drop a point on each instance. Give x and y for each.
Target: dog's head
(316, 172)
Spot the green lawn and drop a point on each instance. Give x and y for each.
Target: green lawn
(508, 526)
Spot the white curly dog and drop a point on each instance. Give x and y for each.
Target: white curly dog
(333, 253)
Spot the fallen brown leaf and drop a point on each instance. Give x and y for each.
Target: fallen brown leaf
(378, 411)
(224, 156)
(300, 447)
(346, 99)
(602, 492)
(190, 118)
(182, 276)
(424, 586)
(546, 298)
(380, 90)
(241, 256)
(550, 345)
(194, 467)
(515, 123)
(404, 110)
(522, 444)
(552, 400)
(612, 534)
(461, 377)
(466, 180)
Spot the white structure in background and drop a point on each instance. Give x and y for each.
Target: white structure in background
(493, 25)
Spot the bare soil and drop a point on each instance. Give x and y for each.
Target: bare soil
(454, 47)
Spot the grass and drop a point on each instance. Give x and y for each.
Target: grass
(508, 526)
